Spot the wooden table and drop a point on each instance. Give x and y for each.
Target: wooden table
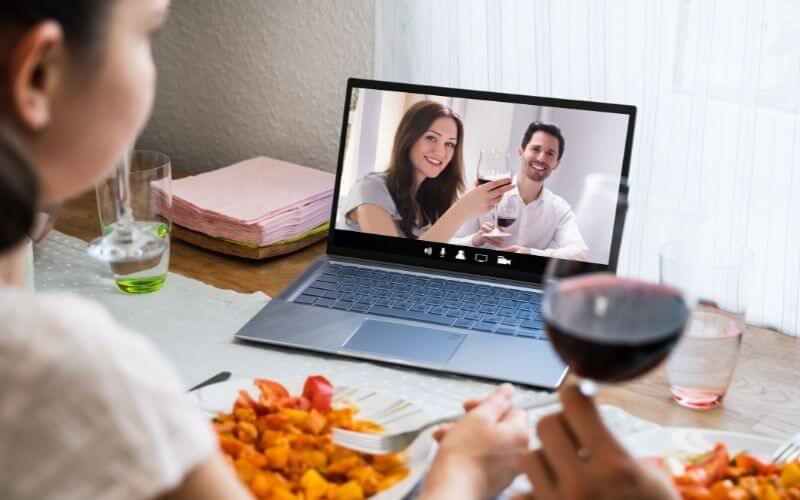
(764, 396)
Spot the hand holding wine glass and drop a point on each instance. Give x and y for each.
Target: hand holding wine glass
(480, 238)
(580, 458)
(483, 198)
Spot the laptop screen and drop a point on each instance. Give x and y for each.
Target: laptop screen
(485, 183)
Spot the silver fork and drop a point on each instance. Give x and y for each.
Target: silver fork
(384, 444)
(788, 451)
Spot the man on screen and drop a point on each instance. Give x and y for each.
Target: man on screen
(545, 223)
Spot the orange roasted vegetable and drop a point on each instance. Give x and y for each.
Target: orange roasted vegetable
(280, 446)
(717, 477)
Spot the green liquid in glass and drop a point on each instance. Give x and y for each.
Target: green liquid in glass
(155, 276)
(141, 285)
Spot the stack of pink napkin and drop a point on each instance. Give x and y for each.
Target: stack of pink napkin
(260, 201)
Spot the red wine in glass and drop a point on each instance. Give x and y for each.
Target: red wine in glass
(489, 178)
(505, 221)
(611, 329)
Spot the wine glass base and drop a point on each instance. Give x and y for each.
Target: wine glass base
(495, 233)
(697, 399)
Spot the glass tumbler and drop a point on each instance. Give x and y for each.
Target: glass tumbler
(713, 276)
(151, 203)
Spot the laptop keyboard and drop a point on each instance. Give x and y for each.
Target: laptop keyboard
(440, 301)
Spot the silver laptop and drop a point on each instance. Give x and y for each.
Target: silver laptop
(448, 306)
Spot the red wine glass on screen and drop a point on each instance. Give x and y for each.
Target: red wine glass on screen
(608, 328)
(507, 213)
(493, 165)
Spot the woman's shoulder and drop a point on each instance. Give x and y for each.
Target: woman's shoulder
(371, 189)
(72, 375)
(40, 322)
(375, 180)
(77, 340)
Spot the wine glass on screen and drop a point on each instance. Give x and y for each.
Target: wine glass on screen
(507, 213)
(123, 241)
(604, 327)
(494, 164)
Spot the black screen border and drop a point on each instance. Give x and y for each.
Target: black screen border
(408, 252)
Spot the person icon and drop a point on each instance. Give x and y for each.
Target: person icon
(460, 255)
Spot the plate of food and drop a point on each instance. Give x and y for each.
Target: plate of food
(709, 464)
(277, 437)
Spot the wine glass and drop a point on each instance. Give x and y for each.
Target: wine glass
(608, 328)
(123, 241)
(494, 164)
(507, 212)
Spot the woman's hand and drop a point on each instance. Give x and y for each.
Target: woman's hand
(479, 455)
(479, 239)
(481, 199)
(579, 458)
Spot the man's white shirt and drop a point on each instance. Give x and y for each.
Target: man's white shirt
(546, 227)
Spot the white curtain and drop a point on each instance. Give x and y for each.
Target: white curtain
(716, 84)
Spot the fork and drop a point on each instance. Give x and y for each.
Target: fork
(788, 451)
(219, 377)
(384, 444)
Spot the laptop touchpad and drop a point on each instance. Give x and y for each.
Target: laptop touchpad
(413, 343)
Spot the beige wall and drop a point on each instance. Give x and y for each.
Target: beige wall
(240, 78)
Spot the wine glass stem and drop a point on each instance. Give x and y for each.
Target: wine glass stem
(588, 387)
(494, 215)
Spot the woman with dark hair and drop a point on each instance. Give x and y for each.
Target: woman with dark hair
(88, 409)
(418, 194)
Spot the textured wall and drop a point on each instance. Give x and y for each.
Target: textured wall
(240, 78)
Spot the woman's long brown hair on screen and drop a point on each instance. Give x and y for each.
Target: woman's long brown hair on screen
(435, 195)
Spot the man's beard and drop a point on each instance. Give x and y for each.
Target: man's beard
(536, 175)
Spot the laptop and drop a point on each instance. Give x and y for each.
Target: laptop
(447, 306)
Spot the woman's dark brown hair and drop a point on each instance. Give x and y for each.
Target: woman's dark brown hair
(435, 195)
(81, 21)
(18, 193)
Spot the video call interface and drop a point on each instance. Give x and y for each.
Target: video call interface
(481, 181)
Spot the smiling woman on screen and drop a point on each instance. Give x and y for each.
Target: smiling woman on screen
(418, 194)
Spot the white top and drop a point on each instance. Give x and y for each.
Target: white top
(546, 227)
(371, 189)
(88, 409)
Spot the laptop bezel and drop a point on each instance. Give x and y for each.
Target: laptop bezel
(339, 242)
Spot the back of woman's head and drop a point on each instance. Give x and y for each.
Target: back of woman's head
(435, 195)
(81, 20)
(18, 191)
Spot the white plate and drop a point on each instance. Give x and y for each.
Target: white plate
(669, 440)
(393, 413)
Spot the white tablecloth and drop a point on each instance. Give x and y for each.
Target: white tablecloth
(193, 324)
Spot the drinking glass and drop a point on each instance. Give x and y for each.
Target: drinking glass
(140, 264)
(494, 164)
(713, 276)
(607, 328)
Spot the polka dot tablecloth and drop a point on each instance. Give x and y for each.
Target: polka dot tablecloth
(193, 325)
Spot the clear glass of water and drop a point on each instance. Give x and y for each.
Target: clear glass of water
(151, 204)
(713, 275)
